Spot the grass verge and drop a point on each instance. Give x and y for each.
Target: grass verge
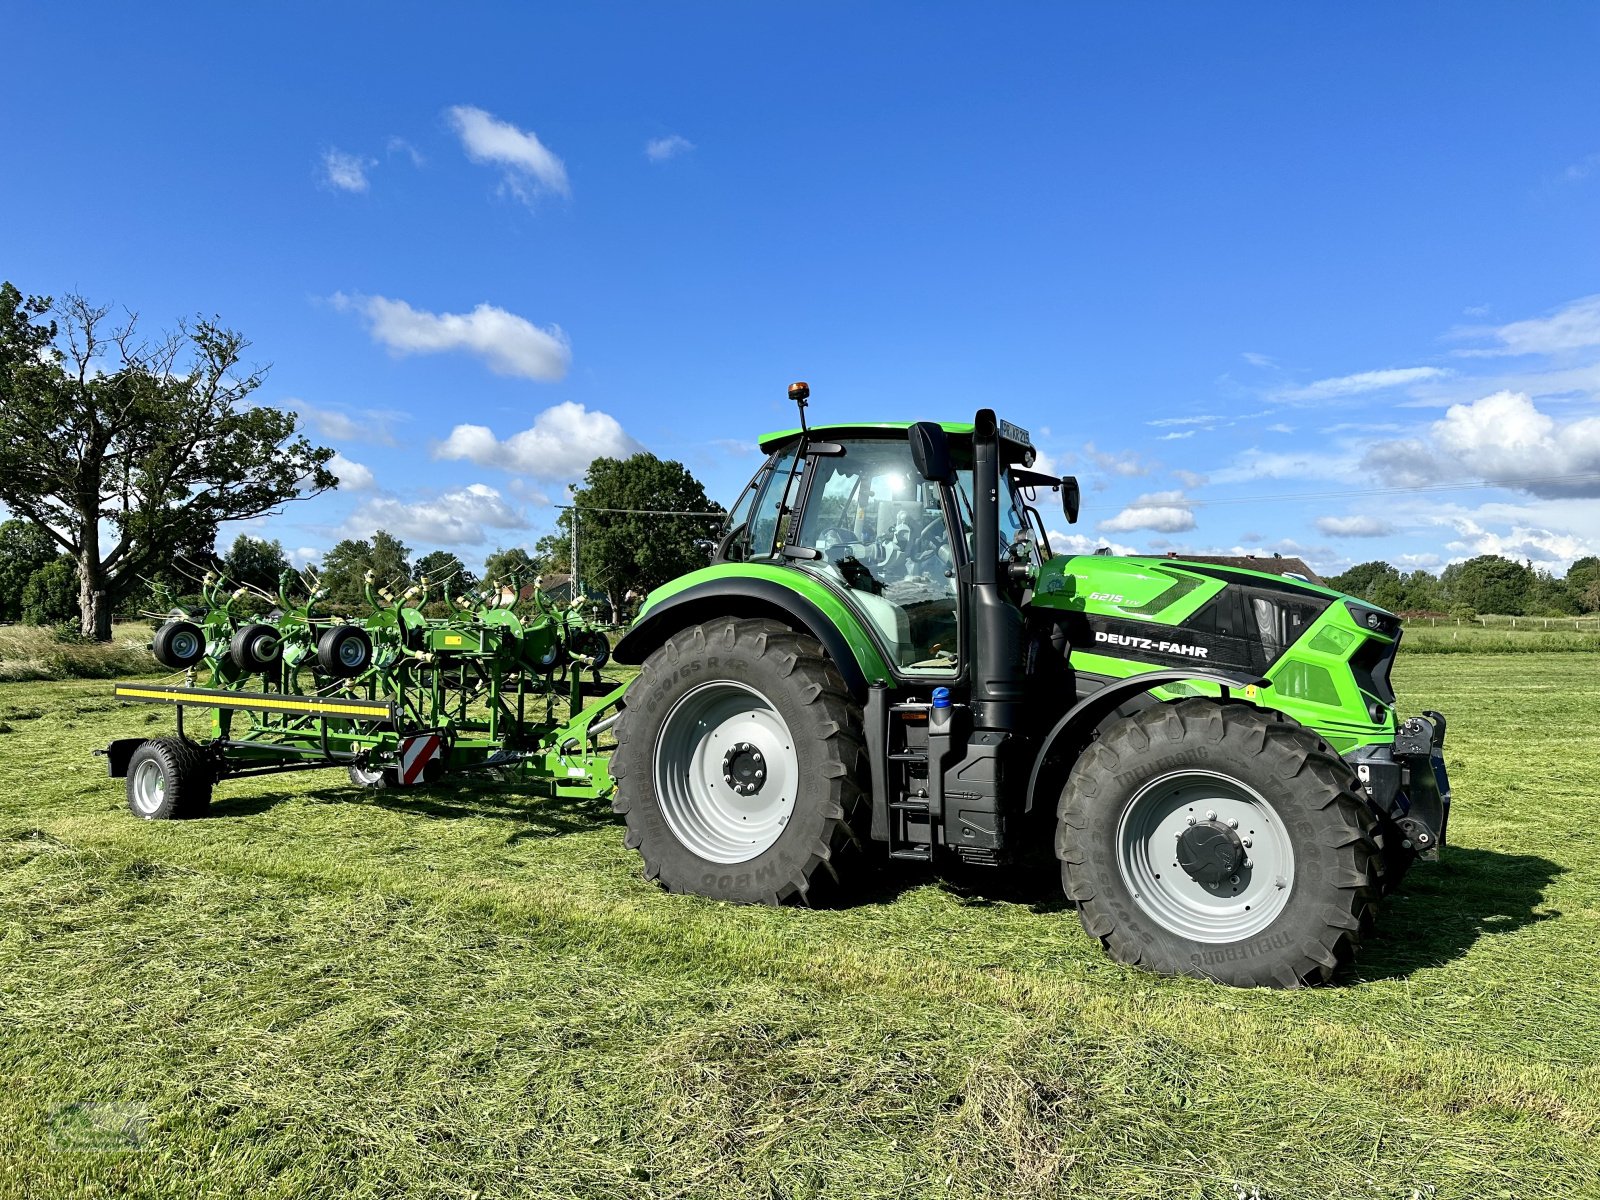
(31, 653)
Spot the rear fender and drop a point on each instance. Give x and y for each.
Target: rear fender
(1081, 719)
(815, 612)
(118, 753)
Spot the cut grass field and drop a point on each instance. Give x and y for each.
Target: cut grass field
(322, 992)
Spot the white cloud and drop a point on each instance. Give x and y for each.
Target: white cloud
(304, 556)
(563, 440)
(1202, 419)
(509, 344)
(1128, 464)
(1077, 543)
(1354, 526)
(530, 168)
(1190, 479)
(1547, 549)
(1574, 326)
(453, 519)
(347, 172)
(1360, 383)
(663, 148)
(353, 476)
(1164, 512)
(1502, 439)
(398, 145)
(1582, 169)
(1177, 435)
(1258, 360)
(370, 425)
(1280, 427)
(1316, 462)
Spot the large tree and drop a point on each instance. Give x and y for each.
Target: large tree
(344, 568)
(1376, 581)
(1490, 584)
(626, 538)
(1583, 581)
(259, 563)
(517, 564)
(102, 428)
(444, 572)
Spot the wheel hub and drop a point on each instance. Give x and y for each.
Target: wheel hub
(744, 769)
(1209, 852)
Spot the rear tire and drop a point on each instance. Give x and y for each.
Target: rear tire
(256, 648)
(344, 651)
(168, 779)
(1165, 879)
(741, 766)
(178, 645)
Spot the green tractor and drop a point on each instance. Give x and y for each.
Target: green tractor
(885, 658)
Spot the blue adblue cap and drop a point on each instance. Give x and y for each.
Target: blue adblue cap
(941, 697)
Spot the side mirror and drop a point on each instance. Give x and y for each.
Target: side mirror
(930, 451)
(1071, 495)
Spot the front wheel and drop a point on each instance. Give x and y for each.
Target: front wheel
(740, 765)
(1221, 841)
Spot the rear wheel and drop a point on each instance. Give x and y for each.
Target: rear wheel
(1220, 841)
(168, 779)
(256, 648)
(740, 765)
(179, 645)
(344, 651)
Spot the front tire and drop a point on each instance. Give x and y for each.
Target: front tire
(1219, 841)
(741, 765)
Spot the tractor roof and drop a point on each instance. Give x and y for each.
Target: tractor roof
(771, 441)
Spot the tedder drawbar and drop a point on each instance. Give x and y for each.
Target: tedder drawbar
(884, 659)
(395, 697)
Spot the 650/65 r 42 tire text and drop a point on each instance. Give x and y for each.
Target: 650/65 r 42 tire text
(1221, 841)
(740, 765)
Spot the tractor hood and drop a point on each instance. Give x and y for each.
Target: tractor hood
(1152, 589)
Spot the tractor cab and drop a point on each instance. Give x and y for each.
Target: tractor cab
(884, 515)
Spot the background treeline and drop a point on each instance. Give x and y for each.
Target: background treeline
(1488, 584)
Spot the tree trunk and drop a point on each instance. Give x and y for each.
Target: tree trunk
(94, 600)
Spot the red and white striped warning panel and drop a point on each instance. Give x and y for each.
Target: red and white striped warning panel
(415, 755)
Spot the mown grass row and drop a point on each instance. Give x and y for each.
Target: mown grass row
(473, 992)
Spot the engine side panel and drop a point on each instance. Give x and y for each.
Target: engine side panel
(1125, 616)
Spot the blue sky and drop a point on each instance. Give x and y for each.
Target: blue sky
(1320, 279)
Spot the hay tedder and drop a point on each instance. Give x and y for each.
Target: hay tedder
(395, 697)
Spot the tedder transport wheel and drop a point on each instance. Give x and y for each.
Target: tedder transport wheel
(168, 779)
(740, 765)
(1217, 840)
(377, 778)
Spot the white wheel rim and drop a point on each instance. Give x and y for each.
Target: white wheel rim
(1239, 906)
(715, 732)
(149, 787)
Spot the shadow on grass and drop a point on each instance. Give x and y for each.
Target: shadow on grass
(538, 816)
(1443, 908)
